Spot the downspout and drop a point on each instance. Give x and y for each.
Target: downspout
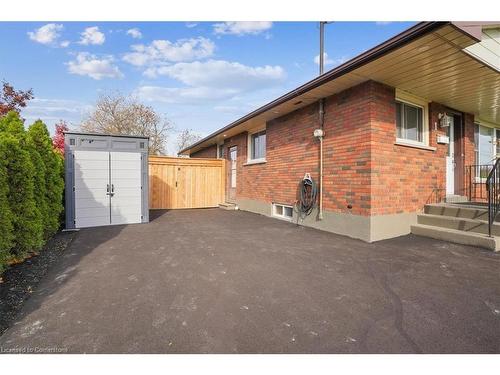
(321, 123)
(321, 117)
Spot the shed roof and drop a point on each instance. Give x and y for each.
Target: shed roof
(105, 134)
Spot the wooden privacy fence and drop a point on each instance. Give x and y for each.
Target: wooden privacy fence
(185, 183)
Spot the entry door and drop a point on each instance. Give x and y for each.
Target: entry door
(92, 201)
(233, 156)
(450, 161)
(458, 154)
(126, 191)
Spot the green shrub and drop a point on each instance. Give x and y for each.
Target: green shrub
(21, 178)
(31, 187)
(40, 187)
(6, 217)
(39, 138)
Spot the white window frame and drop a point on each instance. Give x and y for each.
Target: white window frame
(422, 103)
(282, 216)
(494, 140)
(249, 147)
(220, 150)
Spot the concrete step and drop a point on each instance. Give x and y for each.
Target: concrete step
(466, 212)
(228, 206)
(457, 236)
(459, 223)
(453, 198)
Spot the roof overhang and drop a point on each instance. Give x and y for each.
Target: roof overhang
(427, 60)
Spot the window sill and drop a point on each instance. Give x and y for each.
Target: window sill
(414, 145)
(255, 161)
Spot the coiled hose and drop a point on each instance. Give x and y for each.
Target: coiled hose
(308, 192)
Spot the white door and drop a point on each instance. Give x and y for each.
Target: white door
(92, 203)
(233, 159)
(450, 163)
(126, 192)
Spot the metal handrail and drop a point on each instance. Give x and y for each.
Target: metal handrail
(475, 180)
(492, 186)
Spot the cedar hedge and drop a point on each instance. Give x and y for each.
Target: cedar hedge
(31, 187)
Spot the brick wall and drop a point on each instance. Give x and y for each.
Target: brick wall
(365, 172)
(404, 178)
(292, 151)
(208, 152)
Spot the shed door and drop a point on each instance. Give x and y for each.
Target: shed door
(126, 197)
(92, 203)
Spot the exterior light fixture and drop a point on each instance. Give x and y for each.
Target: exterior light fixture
(318, 133)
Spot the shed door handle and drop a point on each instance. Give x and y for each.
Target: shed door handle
(112, 190)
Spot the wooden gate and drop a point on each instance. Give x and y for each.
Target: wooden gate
(185, 183)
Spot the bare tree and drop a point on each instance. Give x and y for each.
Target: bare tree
(119, 114)
(186, 138)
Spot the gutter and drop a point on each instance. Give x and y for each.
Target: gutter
(389, 45)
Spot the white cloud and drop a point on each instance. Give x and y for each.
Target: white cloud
(242, 28)
(92, 35)
(183, 95)
(190, 25)
(221, 73)
(134, 33)
(47, 34)
(53, 110)
(327, 61)
(210, 81)
(231, 109)
(65, 43)
(162, 51)
(87, 64)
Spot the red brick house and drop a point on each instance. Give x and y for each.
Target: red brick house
(404, 125)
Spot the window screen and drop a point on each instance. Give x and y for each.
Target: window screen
(258, 145)
(409, 122)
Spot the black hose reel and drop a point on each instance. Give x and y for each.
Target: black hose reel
(308, 193)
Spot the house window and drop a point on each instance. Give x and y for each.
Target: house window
(486, 151)
(486, 142)
(410, 122)
(220, 151)
(282, 211)
(257, 146)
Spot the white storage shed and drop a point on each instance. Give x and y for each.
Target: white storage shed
(106, 180)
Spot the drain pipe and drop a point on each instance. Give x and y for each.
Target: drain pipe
(319, 133)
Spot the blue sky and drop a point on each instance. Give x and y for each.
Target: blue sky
(201, 75)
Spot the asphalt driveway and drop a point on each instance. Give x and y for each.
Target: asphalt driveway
(215, 281)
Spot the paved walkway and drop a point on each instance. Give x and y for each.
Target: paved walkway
(215, 281)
